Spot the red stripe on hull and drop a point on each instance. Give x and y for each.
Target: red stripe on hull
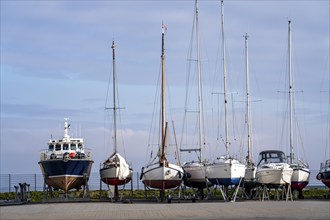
(298, 185)
(326, 182)
(162, 184)
(115, 181)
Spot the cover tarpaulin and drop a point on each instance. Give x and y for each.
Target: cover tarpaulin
(124, 170)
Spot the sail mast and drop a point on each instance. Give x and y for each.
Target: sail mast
(224, 78)
(290, 93)
(200, 119)
(114, 95)
(249, 160)
(163, 127)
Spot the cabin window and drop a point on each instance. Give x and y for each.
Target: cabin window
(73, 146)
(80, 146)
(65, 146)
(58, 147)
(51, 147)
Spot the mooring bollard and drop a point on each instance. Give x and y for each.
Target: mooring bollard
(169, 199)
(21, 189)
(24, 190)
(16, 193)
(28, 198)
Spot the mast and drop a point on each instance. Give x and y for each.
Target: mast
(200, 119)
(114, 95)
(163, 126)
(249, 159)
(224, 78)
(290, 93)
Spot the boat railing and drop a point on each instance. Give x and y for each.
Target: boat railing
(47, 154)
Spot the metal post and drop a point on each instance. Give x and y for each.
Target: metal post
(100, 188)
(35, 182)
(132, 188)
(137, 180)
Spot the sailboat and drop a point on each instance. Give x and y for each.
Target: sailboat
(250, 172)
(195, 171)
(273, 169)
(225, 170)
(300, 175)
(324, 172)
(115, 170)
(160, 173)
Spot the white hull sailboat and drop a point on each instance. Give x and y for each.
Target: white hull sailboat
(225, 171)
(195, 174)
(160, 173)
(115, 170)
(162, 176)
(195, 171)
(272, 169)
(300, 177)
(301, 173)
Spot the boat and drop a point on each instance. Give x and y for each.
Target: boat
(225, 170)
(273, 170)
(159, 173)
(195, 171)
(250, 172)
(301, 173)
(324, 173)
(66, 164)
(115, 170)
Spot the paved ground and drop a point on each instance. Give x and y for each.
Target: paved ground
(282, 210)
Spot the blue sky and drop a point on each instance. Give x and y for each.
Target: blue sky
(56, 62)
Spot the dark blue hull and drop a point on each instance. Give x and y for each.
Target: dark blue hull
(324, 177)
(225, 181)
(66, 175)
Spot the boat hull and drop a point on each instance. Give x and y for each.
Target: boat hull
(111, 176)
(66, 175)
(228, 172)
(162, 176)
(324, 176)
(250, 177)
(274, 176)
(195, 175)
(300, 178)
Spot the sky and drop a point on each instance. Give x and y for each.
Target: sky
(56, 61)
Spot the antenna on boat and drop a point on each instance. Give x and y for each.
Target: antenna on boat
(66, 128)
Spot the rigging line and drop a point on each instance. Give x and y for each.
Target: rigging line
(152, 129)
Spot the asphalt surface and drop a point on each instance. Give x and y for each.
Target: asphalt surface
(300, 209)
